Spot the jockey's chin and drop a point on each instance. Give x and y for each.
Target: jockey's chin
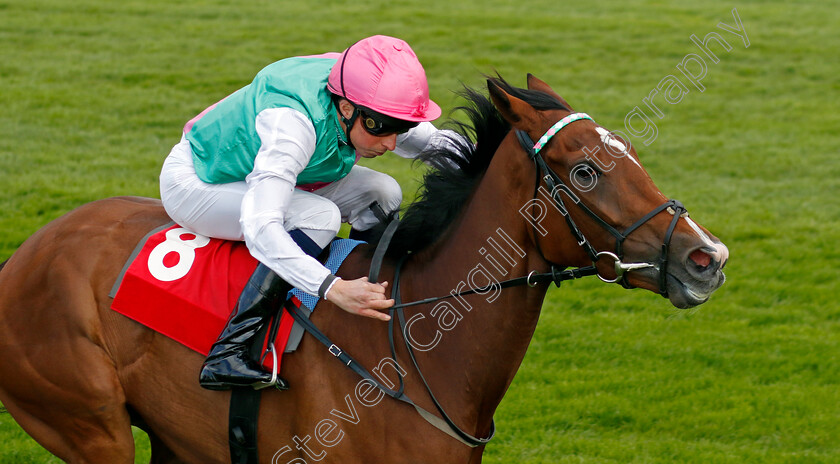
(370, 154)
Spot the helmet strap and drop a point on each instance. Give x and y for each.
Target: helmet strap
(348, 123)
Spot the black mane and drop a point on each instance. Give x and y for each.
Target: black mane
(457, 169)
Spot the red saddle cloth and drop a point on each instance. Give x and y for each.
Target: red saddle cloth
(185, 286)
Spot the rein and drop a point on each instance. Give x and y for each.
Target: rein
(556, 275)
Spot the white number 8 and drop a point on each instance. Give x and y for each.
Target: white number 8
(174, 244)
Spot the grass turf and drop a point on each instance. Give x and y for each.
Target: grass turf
(93, 95)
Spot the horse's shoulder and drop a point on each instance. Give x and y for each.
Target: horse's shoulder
(357, 263)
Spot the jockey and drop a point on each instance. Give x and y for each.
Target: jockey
(274, 164)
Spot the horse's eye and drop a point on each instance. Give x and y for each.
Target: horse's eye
(585, 173)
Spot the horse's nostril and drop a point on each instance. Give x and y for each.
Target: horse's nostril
(700, 258)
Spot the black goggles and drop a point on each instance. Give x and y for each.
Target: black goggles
(379, 124)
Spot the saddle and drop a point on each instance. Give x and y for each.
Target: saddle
(184, 285)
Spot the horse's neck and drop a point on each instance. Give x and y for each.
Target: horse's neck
(475, 344)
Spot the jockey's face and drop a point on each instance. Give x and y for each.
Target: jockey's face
(367, 145)
(370, 146)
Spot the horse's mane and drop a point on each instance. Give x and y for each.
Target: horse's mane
(457, 167)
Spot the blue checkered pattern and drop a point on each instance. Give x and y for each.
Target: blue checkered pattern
(339, 250)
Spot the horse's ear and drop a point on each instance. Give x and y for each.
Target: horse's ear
(535, 83)
(518, 113)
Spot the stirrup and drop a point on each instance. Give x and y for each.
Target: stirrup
(276, 380)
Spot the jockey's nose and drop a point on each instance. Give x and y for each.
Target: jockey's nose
(390, 141)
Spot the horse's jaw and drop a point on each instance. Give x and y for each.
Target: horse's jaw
(684, 295)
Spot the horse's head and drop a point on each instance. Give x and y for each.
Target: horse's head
(593, 201)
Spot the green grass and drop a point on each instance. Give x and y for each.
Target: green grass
(93, 94)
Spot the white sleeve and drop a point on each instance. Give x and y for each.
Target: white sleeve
(425, 135)
(287, 142)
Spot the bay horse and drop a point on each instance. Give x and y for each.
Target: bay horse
(76, 375)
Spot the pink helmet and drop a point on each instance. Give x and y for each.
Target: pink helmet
(383, 74)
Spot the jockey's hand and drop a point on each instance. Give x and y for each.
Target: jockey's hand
(361, 297)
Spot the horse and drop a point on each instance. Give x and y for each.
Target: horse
(76, 375)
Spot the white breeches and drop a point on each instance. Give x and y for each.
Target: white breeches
(214, 209)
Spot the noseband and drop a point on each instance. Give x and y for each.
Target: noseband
(555, 184)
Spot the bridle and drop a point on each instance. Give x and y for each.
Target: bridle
(557, 274)
(555, 184)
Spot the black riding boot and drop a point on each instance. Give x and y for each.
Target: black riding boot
(373, 234)
(229, 363)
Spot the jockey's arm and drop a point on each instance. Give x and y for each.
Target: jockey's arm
(287, 143)
(424, 136)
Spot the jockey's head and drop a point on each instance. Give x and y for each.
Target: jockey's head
(383, 79)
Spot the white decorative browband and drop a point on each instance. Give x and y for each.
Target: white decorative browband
(556, 128)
